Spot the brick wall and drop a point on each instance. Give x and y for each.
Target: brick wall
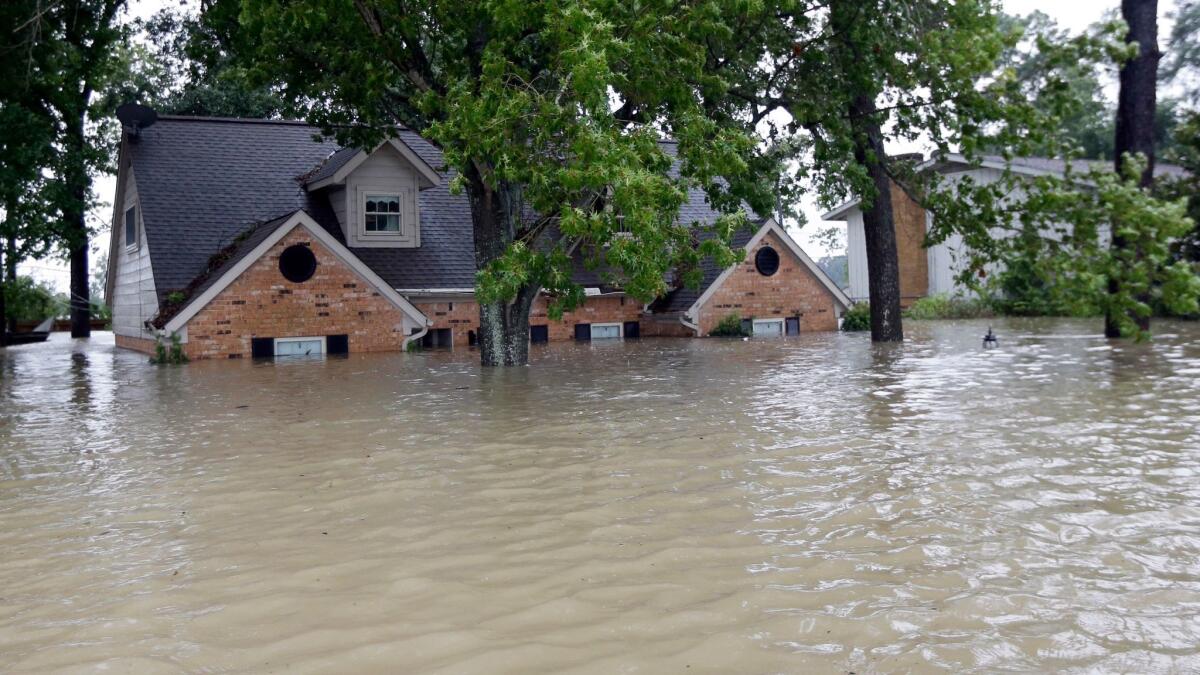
(665, 325)
(792, 291)
(137, 344)
(262, 303)
(462, 317)
(608, 309)
(910, 223)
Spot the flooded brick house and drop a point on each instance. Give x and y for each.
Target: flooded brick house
(255, 238)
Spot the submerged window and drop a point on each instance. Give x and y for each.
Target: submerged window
(131, 239)
(297, 263)
(768, 327)
(606, 331)
(300, 346)
(382, 213)
(766, 261)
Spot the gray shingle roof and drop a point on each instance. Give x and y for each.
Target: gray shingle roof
(680, 300)
(203, 182)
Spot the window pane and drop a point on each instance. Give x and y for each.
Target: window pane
(389, 223)
(131, 226)
(605, 332)
(768, 328)
(298, 348)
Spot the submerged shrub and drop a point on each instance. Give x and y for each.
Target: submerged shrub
(857, 318)
(168, 354)
(946, 307)
(730, 326)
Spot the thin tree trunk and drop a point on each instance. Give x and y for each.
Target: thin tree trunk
(504, 325)
(879, 227)
(1135, 116)
(3, 306)
(10, 277)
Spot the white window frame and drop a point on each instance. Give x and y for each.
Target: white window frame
(310, 338)
(782, 325)
(131, 245)
(399, 197)
(620, 330)
(408, 229)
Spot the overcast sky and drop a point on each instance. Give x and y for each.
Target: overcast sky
(1072, 14)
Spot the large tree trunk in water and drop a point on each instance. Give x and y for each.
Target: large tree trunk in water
(3, 310)
(1135, 114)
(503, 326)
(78, 182)
(10, 280)
(879, 227)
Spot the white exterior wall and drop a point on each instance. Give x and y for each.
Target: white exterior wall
(946, 260)
(385, 171)
(134, 299)
(856, 257)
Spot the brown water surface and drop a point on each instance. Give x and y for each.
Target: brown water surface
(804, 505)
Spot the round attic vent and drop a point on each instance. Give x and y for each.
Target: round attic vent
(766, 261)
(297, 263)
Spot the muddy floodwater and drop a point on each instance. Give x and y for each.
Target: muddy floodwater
(812, 504)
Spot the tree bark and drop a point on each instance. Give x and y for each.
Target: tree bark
(3, 306)
(1135, 116)
(10, 279)
(503, 325)
(879, 227)
(75, 217)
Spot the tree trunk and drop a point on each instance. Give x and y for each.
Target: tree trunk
(503, 325)
(1135, 116)
(3, 306)
(879, 227)
(10, 279)
(75, 215)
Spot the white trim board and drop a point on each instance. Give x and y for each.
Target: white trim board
(299, 218)
(426, 172)
(770, 226)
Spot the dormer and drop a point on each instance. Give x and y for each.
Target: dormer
(374, 193)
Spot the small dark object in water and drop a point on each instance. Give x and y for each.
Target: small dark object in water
(242, 406)
(990, 340)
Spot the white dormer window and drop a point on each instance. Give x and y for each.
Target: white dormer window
(381, 213)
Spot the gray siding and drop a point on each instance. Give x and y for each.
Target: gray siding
(134, 300)
(387, 172)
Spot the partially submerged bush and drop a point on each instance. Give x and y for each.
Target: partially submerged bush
(857, 318)
(168, 354)
(730, 326)
(946, 307)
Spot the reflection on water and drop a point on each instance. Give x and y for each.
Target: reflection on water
(766, 506)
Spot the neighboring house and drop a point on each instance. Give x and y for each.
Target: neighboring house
(256, 238)
(934, 270)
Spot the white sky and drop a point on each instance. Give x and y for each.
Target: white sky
(1071, 14)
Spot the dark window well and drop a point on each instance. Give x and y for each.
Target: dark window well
(766, 261)
(793, 325)
(583, 332)
(337, 344)
(539, 334)
(632, 329)
(262, 348)
(437, 338)
(131, 226)
(747, 327)
(297, 263)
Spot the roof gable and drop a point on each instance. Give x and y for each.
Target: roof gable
(257, 243)
(338, 166)
(771, 227)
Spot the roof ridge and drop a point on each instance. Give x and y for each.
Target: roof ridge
(232, 120)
